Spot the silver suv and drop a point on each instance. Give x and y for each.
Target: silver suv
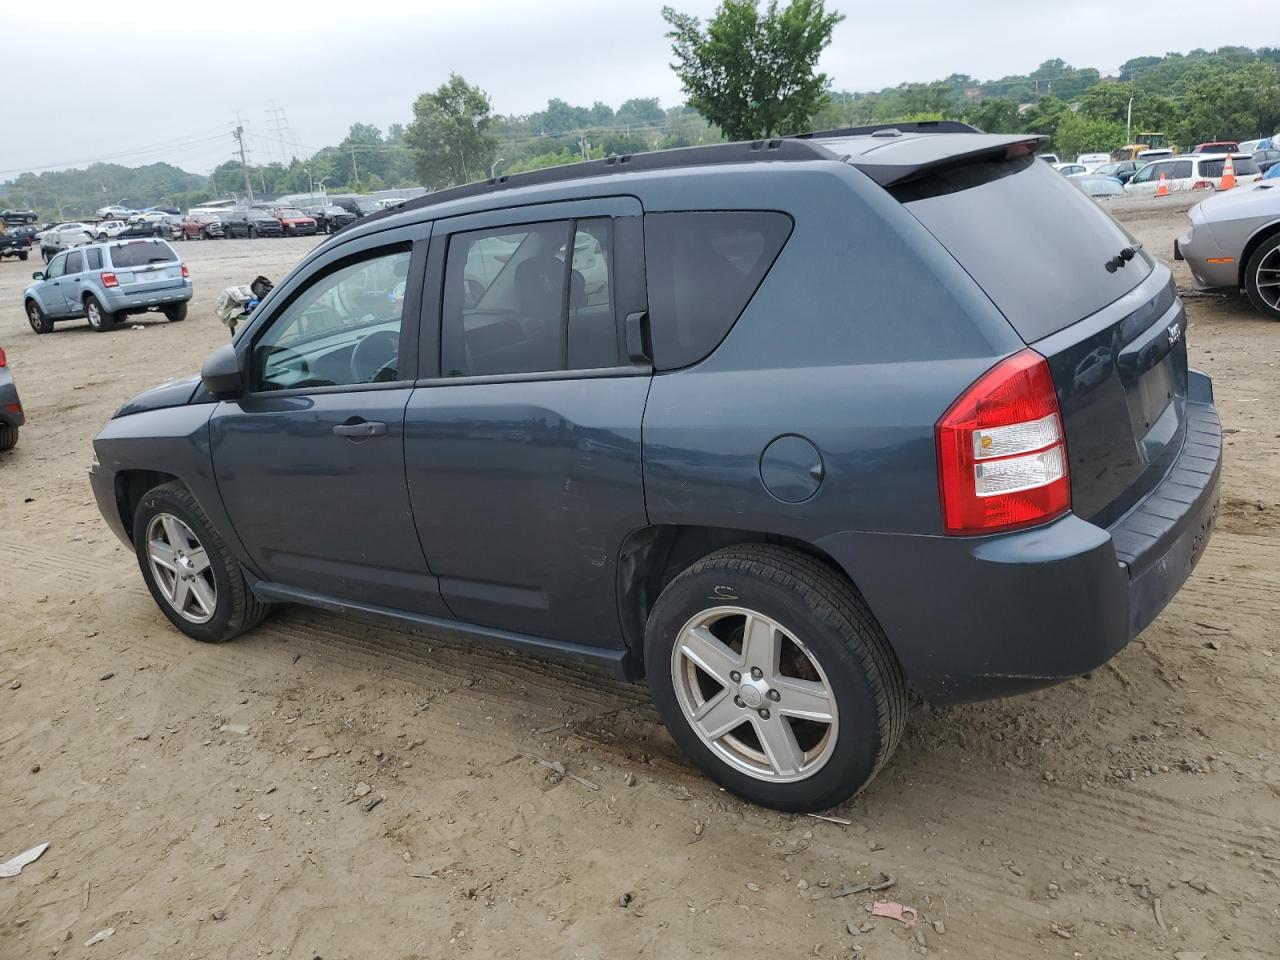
(105, 282)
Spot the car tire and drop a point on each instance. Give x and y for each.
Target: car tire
(22, 255)
(175, 312)
(252, 233)
(100, 319)
(196, 571)
(38, 319)
(829, 657)
(8, 436)
(1264, 268)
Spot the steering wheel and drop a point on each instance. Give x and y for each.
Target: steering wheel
(375, 358)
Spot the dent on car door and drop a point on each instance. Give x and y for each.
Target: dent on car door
(310, 462)
(523, 457)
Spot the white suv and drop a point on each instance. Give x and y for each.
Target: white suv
(1191, 172)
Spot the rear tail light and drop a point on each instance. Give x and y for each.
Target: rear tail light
(3, 359)
(1002, 457)
(185, 272)
(109, 279)
(1202, 185)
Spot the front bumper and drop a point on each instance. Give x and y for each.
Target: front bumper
(973, 618)
(1212, 268)
(103, 482)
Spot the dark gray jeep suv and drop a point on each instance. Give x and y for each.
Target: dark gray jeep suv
(796, 429)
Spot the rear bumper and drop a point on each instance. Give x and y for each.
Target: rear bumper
(972, 618)
(10, 406)
(117, 300)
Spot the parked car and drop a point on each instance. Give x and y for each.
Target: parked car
(1234, 245)
(1099, 187)
(201, 226)
(250, 222)
(1070, 169)
(1049, 157)
(106, 282)
(1091, 161)
(724, 470)
(18, 216)
(294, 222)
(359, 206)
(1151, 155)
(115, 212)
(1217, 146)
(109, 229)
(1192, 172)
(1273, 173)
(13, 244)
(1122, 170)
(329, 218)
(62, 236)
(11, 415)
(1266, 159)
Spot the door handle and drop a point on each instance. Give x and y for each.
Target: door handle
(362, 428)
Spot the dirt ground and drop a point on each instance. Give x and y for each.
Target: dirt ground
(219, 801)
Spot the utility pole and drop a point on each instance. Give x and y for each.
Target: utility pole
(244, 164)
(355, 173)
(1128, 124)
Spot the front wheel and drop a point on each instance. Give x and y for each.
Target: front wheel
(39, 321)
(8, 436)
(1262, 278)
(192, 576)
(772, 675)
(252, 233)
(22, 254)
(99, 318)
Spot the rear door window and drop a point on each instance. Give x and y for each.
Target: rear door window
(702, 269)
(95, 258)
(1244, 166)
(515, 302)
(1181, 170)
(1038, 246)
(140, 253)
(75, 262)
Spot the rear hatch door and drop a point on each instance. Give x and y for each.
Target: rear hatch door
(145, 266)
(1078, 288)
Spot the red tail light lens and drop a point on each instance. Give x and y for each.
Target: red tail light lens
(1002, 455)
(185, 272)
(109, 279)
(3, 359)
(1202, 185)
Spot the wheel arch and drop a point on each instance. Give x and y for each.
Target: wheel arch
(131, 486)
(1260, 236)
(652, 556)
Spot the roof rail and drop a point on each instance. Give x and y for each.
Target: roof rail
(906, 126)
(754, 151)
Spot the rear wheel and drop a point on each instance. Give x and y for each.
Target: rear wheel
(252, 233)
(36, 317)
(774, 678)
(175, 312)
(8, 436)
(98, 316)
(22, 254)
(192, 576)
(1262, 278)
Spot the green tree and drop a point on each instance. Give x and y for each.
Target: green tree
(753, 74)
(1076, 134)
(449, 135)
(995, 115)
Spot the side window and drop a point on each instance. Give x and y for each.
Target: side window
(1181, 170)
(75, 262)
(95, 258)
(57, 267)
(1146, 173)
(342, 329)
(703, 268)
(515, 303)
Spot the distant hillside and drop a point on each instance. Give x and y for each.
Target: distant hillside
(68, 194)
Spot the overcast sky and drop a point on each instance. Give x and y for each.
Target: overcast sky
(146, 80)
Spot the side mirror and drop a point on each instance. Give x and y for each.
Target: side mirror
(38, 275)
(222, 374)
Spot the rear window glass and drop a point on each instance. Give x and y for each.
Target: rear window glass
(140, 253)
(1035, 243)
(1213, 168)
(703, 268)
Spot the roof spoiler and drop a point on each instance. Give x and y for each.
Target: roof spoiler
(905, 126)
(913, 159)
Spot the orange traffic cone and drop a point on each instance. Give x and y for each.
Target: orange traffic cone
(1228, 174)
(1163, 189)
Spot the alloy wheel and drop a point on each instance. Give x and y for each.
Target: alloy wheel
(754, 694)
(1268, 279)
(181, 568)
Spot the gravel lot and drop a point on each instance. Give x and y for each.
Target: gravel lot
(218, 802)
